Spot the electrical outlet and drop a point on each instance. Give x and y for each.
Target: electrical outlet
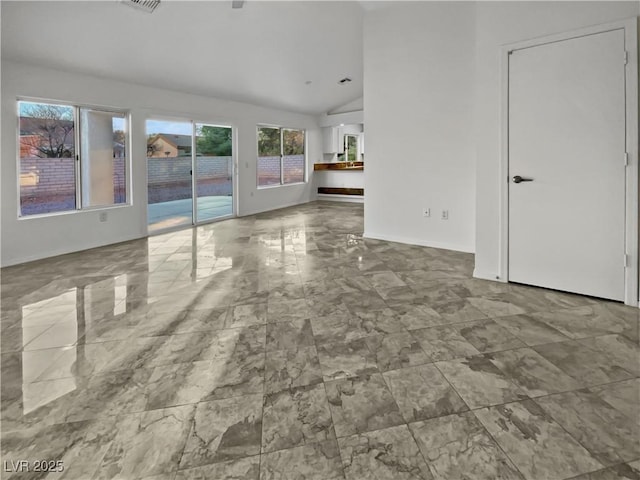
(103, 216)
(445, 214)
(426, 212)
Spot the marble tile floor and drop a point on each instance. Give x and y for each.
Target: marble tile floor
(284, 346)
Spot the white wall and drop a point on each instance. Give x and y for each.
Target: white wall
(497, 24)
(354, 106)
(432, 114)
(33, 238)
(339, 179)
(418, 116)
(336, 119)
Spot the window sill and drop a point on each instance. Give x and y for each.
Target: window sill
(267, 187)
(72, 212)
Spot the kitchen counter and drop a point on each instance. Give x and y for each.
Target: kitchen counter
(340, 181)
(339, 166)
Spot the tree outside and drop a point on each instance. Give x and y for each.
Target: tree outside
(47, 129)
(293, 142)
(214, 141)
(119, 137)
(268, 142)
(351, 148)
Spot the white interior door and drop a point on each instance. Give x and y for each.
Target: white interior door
(567, 135)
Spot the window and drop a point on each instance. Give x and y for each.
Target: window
(350, 153)
(293, 156)
(281, 156)
(351, 148)
(269, 156)
(71, 158)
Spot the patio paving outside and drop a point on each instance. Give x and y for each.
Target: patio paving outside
(173, 213)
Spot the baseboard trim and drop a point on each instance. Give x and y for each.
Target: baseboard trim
(341, 198)
(419, 241)
(279, 207)
(484, 275)
(64, 251)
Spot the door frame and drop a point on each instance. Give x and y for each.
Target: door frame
(194, 176)
(193, 120)
(630, 28)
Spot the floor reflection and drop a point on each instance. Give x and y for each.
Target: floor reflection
(279, 344)
(49, 319)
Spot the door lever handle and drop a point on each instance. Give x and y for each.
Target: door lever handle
(518, 179)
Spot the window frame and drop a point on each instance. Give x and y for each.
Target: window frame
(281, 130)
(126, 115)
(347, 136)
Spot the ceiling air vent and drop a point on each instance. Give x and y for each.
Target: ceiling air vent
(145, 5)
(344, 81)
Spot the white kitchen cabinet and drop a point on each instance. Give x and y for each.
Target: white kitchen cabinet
(329, 140)
(332, 141)
(340, 139)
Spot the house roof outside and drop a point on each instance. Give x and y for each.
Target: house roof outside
(34, 134)
(178, 141)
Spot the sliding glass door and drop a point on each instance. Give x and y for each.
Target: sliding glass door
(214, 172)
(189, 173)
(169, 183)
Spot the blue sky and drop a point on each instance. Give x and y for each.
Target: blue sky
(66, 112)
(153, 126)
(118, 123)
(177, 128)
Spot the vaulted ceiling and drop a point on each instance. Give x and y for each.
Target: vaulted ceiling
(265, 53)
